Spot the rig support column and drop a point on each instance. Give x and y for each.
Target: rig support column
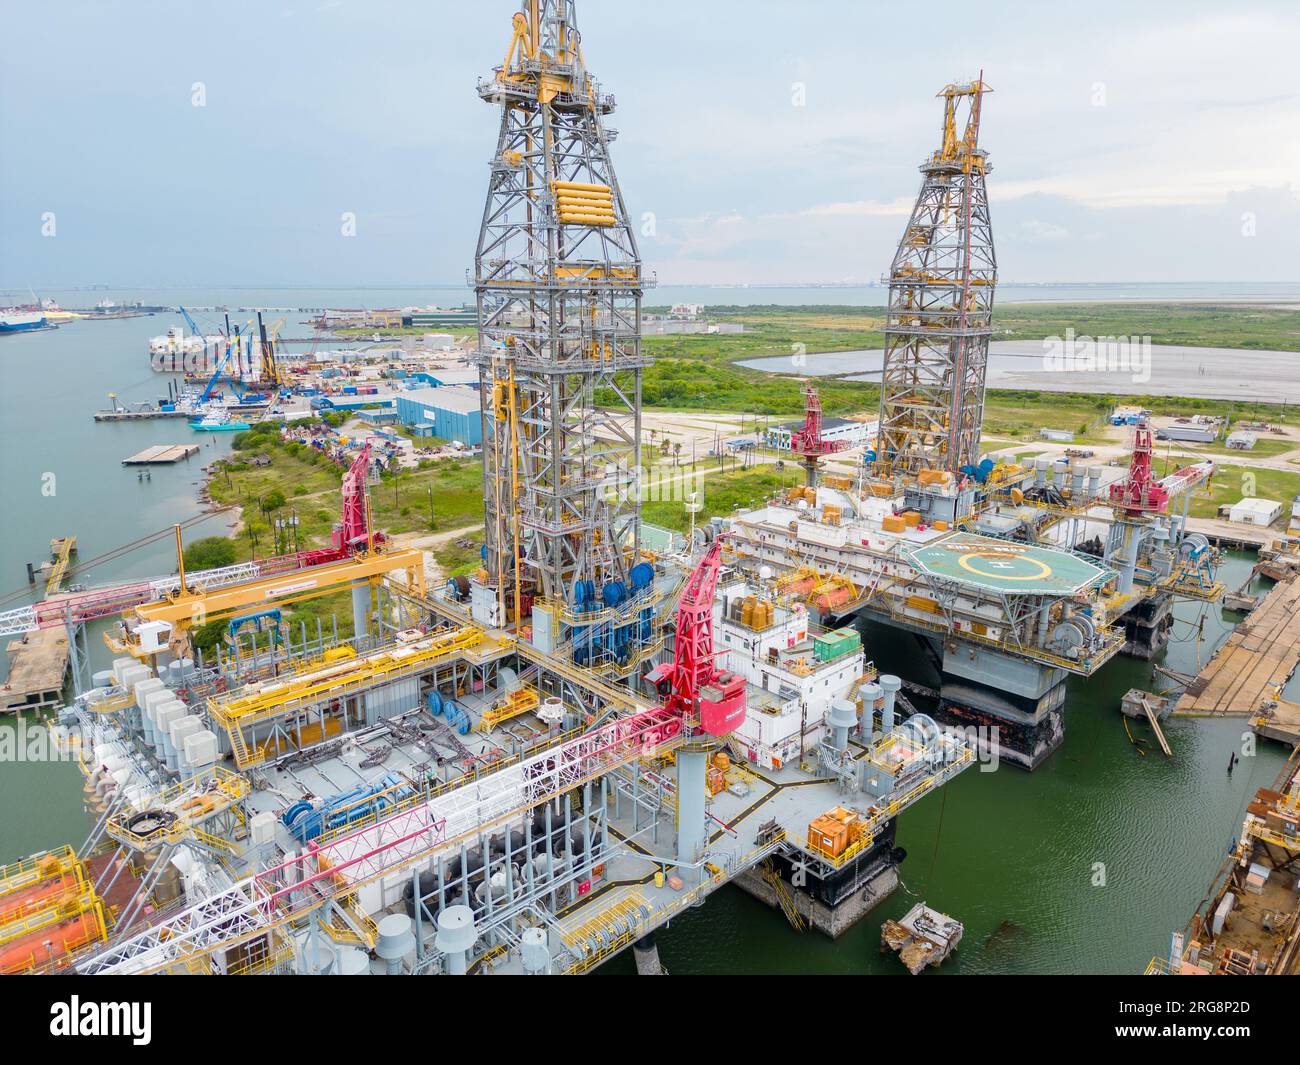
(691, 834)
(361, 608)
(646, 952)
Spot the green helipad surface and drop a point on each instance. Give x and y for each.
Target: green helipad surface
(1004, 567)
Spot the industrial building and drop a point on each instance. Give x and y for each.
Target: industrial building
(450, 412)
(1192, 433)
(850, 433)
(1251, 510)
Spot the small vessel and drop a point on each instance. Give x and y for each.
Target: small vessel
(218, 421)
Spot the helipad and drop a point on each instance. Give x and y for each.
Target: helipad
(1004, 567)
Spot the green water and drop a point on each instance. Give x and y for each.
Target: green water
(1011, 854)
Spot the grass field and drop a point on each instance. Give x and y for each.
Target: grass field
(1231, 483)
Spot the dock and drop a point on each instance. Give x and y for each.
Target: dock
(161, 455)
(1279, 719)
(38, 662)
(137, 415)
(1254, 662)
(923, 937)
(62, 549)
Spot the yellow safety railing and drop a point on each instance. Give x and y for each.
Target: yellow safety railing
(60, 908)
(272, 699)
(519, 701)
(38, 868)
(108, 702)
(192, 801)
(895, 806)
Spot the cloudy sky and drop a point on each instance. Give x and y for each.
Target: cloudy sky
(772, 140)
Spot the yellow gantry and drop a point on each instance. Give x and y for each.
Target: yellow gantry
(190, 605)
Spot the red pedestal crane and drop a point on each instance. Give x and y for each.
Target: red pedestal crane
(807, 441)
(1139, 492)
(692, 681)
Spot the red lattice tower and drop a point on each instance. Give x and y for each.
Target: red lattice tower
(1140, 492)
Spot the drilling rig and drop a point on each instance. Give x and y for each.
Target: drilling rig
(558, 280)
(941, 284)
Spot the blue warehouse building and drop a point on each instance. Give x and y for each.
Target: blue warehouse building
(449, 413)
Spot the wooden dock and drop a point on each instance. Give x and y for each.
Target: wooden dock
(1252, 665)
(161, 455)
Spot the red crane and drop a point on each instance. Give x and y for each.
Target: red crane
(692, 681)
(352, 533)
(807, 441)
(1140, 492)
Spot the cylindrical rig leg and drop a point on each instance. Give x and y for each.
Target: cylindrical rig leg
(646, 952)
(691, 834)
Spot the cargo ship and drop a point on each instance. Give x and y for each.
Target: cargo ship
(22, 321)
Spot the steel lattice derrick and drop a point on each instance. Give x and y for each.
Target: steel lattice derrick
(941, 285)
(558, 281)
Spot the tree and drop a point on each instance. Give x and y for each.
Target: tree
(207, 638)
(212, 552)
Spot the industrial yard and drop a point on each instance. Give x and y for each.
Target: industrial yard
(572, 623)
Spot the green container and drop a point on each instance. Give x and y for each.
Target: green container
(836, 644)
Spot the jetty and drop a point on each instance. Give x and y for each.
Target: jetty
(161, 455)
(1248, 670)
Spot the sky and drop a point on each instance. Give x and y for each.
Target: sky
(172, 144)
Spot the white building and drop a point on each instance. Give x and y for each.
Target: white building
(1252, 511)
(856, 434)
(789, 690)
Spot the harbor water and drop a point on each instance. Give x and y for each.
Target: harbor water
(1085, 865)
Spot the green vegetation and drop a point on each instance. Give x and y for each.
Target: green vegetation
(300, 482)
(212, 552)
(442, 494)
(456, 559)
(1231, 483)
(723, 493)
(699, 371)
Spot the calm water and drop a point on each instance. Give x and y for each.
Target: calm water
(1009, 853)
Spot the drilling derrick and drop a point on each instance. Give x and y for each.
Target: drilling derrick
(558, 281)
(941, 286)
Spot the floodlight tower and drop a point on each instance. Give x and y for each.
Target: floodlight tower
(941, 286)
(558, 280)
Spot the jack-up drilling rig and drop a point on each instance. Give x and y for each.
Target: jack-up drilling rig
(941, 286)
(558, 280)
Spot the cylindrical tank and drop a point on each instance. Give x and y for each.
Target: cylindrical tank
(871, 694)
(395, 940)
(536, 954)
